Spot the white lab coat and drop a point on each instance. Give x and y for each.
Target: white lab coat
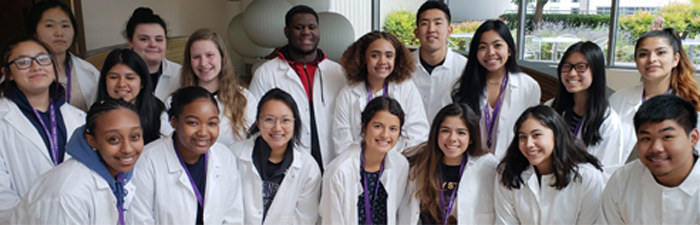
(226, 136)
(296, 201)
(609, 150)
(577, 203)
(474, 203)
(23, 154)
(87, 75)
(165, 194)
(328, 80)
(71, 193)
(437, 85)
(351, 101)
(169, 80)
(342, 186)
(632, 196)
(521, 92)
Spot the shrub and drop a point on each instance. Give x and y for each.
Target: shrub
(401, 24)
(572, 20)
(680, 16)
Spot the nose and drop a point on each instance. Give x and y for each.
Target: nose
(656, 147)
(202, 61)
(128, 147)
(151, 43)
(58, 32)
(529, 142)
(35, 65)
(121, 82)
(278, 125)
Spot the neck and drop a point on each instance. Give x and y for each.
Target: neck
(374, 84)
(373, 160)
(456, 161)
(60, 63)
(153, 67)
(211, 86)
(112, 171)
(495, 77)
(654, 88)
(433, 58)
(302, 58)
(580, 103)
(189, 156)
(277, 154)
(40, 101)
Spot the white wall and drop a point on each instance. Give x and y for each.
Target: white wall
(621, 78)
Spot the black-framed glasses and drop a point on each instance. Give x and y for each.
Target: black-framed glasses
(25, 62)
(270, 122)
(580, 67)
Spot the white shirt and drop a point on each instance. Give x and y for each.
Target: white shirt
(577, 203)
(23, 154)
(165, 194)
(296, 201)
(71, 193)
(351, 101)
(342, 186)
(169, 80)
(633, 196)
(435, 86)
(328, 80)
(474, 203)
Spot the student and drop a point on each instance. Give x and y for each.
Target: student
(493, 85)
(546, 177)
(438, 66)
(124, 75)
(93, 187)
(661, 186)
(665, 69)
(283, 183)
(365, 183)
(581, 101)
(303, 71)
(451, 176)
(35, 122)
(187, 177)
(146, 34)
(207, 64)
(53, 23)
(377, 65)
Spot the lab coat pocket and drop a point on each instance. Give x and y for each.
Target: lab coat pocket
(484, 218)
(287, 220)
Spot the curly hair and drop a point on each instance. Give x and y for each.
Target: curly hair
(355, 64)
(230, 92)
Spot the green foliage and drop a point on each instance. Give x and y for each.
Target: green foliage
(463, 27)
(401, 24)
(680, 16)
(573, 20)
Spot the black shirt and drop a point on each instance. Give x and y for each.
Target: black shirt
(378, 205)
(270, 173)
(450, 180)
(429, 67)
(572, 119)
(199, 176)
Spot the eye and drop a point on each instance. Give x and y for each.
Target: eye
(210, 55)
(463, 133)
(377, 126)
(642, 54)
(192, 123)
(135, 137)
(661, 52)
(268, 120)
(394, 128)
(390, 55)
(521, 137)
(67, 26)
(481, 47)
(444, 130)
(213, 123)
(48, 25)
(160, 39)
(113, 139)
(667, 137)
(644, 139)
(143, 39)
(196, 57)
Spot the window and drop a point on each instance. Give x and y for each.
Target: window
(574, 1)
(574, 10)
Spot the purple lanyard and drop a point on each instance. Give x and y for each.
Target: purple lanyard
(369, 92)
(68, 83)
(194, 186)
(53, 133)
(578, 126)
(368, 212)
(446, 212)
(120, 204)
(644, 93)
(491, 118)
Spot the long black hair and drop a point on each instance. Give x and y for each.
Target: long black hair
(283, 96)
(148, 106)
(596, 102)
(469, 89)
(566, 156)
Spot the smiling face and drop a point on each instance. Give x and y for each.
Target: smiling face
(573, 80)
(453, 140)
(122, 82)
(655, 58)
(206, 61)
(536, 142)
(149, 42)
(302, 33)
(492, 52)
(37, 78)
(197, 128)
(56, 30)
(276, 124)
(382, 132)
(666, 150)
(118, 139)
(380, 57)
(433, 30)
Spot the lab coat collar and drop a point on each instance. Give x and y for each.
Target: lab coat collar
(12, 115)
(633, 101)
(173, 164)
(447, 64)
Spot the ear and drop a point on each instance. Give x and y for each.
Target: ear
(173, 122)
(286, 34)
(415, 32)
(6, 72)
(694, 135)
(449, 30)
(91, 141)
(131, 43)
(676, 59)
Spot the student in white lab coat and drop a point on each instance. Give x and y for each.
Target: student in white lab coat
(93, 187)
(53, 23)
(207, 64)
(378, 64)
(125, 75)
(188, 177)
(493, 85)
(547, 177)
(365, 184)
(661, 186)
(581, 101)
(282, 183)
(146, 34)
(665, 69)
(451, 176)
(35, 121)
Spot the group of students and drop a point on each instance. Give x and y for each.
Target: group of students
(385, 136)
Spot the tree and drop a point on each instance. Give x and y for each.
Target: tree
(539, 7)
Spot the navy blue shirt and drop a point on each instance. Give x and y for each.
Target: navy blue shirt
(199, 176)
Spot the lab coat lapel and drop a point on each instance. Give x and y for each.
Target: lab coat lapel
(289, 180)
(511, 88)
(212, 191)
(16, 119)
(174, 167)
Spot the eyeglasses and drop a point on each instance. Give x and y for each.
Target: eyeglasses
(270, 122)
(580, 67)
(25, 62)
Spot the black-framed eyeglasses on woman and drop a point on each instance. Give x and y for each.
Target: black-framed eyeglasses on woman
(580, 67)
(25, 62)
